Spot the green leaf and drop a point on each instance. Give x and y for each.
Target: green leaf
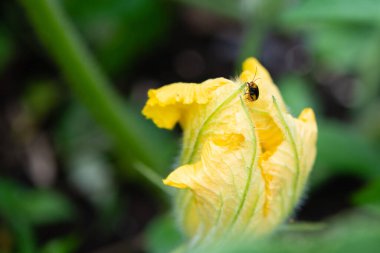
(33, 206)
(370, 194)
(342, 150)
(162, 235)
(342, 35)
(66, 244)
(297, 94)
(363, 11)
(339, 46)
(43, 207)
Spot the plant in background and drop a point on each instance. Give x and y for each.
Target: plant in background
(244, 162)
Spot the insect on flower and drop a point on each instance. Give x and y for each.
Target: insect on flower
(252, 91)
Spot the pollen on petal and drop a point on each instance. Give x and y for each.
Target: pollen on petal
(230, 140)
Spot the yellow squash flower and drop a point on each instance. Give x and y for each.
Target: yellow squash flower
(244, 163)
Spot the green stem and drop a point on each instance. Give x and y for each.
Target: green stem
(87, 81)
(153, 177)
(258, 21)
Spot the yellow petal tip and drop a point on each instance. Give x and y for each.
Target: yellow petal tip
(173, 184)
(307, 115)
(246, 76)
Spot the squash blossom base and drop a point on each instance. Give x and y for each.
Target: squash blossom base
(244, 163)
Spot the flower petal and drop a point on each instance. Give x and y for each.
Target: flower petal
(217, 180)
(286, 170)
(166, 104)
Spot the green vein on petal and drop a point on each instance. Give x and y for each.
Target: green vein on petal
(203, 126)
(294, 148)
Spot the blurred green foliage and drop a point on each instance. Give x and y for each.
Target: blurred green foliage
(40, 98)
(120, 31)
(163, 235)
(353, 235)
(351, 232)
(101, 141)
(369, 195)
(6, 48)
(343, 37)
(61, 245)
(24, 208)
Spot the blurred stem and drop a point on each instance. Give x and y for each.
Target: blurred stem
(153, 177)
(253, 39)
(87, 81)
(258, 21)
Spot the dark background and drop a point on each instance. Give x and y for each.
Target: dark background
(66, 187)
